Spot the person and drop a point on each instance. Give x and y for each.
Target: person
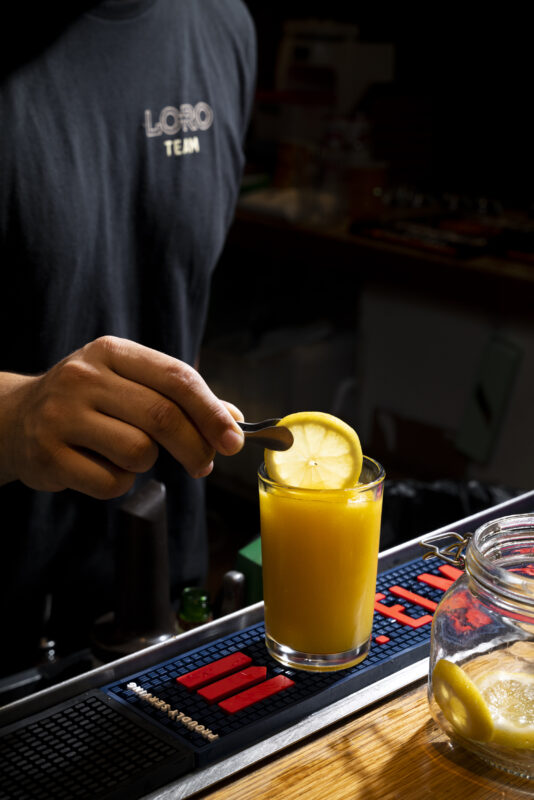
(121, 154)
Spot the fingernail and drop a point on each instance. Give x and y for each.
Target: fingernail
(202, 473)
(232, 441)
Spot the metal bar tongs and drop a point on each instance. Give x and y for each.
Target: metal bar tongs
(268, 434)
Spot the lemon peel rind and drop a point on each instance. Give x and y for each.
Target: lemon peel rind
(513, 739)
(461, 702)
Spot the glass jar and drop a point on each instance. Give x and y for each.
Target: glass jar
(481, 671)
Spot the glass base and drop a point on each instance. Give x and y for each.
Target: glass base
(515, 761)
(315, 662)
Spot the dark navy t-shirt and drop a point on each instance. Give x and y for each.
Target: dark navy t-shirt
(121, 151)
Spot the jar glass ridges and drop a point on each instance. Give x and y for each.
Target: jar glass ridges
(481, 677)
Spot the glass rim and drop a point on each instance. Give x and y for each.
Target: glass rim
(483, 555)
(362, 487)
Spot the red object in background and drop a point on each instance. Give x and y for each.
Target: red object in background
(250, 696)
(450, 572)
(435, 581)
(217, 669)
(413, 597)
(381, 639)
(465, 614)
(397, 612)
(240, 681)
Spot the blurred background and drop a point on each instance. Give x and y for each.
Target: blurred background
(380, 265)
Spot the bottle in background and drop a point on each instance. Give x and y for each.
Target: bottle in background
(194, 608)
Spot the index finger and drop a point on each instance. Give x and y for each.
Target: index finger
(177, 381)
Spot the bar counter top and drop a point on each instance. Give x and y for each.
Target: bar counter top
(393, 751)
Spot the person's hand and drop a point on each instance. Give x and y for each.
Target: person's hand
(95, 420)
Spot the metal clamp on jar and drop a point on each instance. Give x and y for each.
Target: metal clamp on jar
(481, 672)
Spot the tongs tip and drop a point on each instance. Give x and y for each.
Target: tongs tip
(268, 434)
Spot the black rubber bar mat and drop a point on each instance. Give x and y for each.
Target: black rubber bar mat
(127, 738)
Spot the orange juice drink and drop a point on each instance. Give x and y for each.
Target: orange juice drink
(319, 558)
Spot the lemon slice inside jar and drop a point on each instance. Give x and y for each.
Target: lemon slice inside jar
(509, 697)
(461, 702)
(326, 453)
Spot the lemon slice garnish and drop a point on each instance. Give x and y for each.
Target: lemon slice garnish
(461, 702)
(326, 453)
(510, 699)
